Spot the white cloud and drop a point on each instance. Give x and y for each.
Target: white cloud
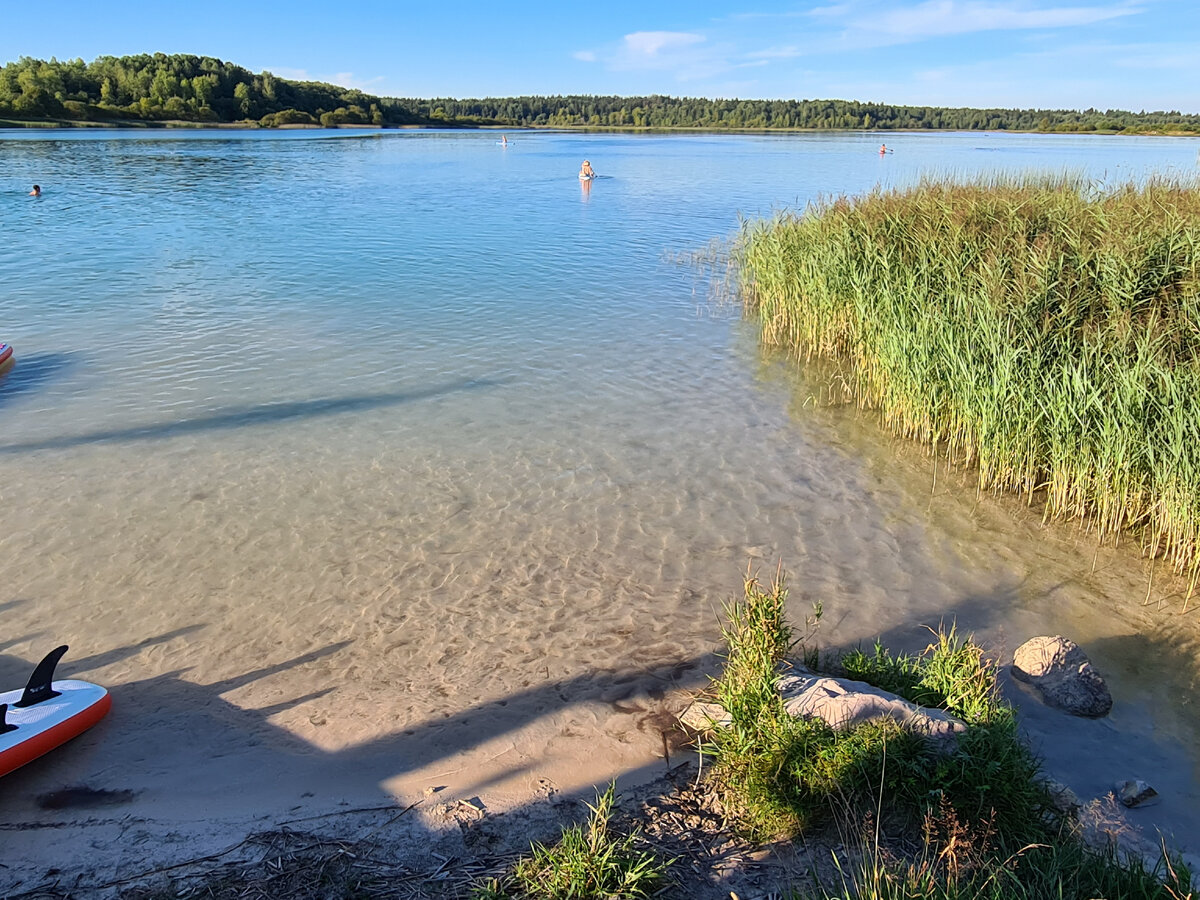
(1075, 76)
(290, 74)
(941, 18)
(651, 44)
(341, 79)
(348, 80)
(775, 53)
(685, 55)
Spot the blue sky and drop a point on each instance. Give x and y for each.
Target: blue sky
(1128, 54)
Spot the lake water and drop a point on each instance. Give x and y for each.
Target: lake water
(355, 435)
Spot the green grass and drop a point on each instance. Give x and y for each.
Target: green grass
(951, 674)
(589, 861)
(962, 865)
(981, 816)
(1044, 332)
(783, 775)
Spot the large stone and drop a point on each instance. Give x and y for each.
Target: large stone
(1062, 672)
(842, 703)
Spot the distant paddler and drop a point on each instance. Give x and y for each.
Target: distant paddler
(883, 148)
(586, 172)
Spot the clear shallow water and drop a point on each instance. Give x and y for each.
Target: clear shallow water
(450, 428)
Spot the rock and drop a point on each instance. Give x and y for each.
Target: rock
(1062, 672)
(1134, 793)
(843, 703)
(701, 716)
(1063, 798)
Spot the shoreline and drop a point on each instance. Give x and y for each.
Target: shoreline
(167, 124)
(224, 809)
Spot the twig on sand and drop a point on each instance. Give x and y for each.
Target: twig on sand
(346, 812)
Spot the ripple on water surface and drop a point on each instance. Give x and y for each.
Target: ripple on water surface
(366, 433)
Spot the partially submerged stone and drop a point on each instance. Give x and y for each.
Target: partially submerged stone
(843, 703)
(1135, 792)
(1062, 672)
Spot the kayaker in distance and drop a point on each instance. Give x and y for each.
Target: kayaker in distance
(586, 171)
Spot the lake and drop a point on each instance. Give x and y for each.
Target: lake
(398, 448)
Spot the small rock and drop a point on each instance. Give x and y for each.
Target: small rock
(1135, 792)
(701, 716)
(1062, 672)
(1063, 798)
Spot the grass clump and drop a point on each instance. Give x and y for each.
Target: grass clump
(1039, 329)
(783, 775)
(589, 861)
(961, 864)
(950, 674)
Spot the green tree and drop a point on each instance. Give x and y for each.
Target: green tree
(241, 93)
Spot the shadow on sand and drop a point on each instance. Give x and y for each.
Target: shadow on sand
(108, 794)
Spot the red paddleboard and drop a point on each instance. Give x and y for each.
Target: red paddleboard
(46, 713)
(5, 354)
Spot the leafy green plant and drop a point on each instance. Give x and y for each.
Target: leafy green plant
(589, 861)
(951, 674)
(782, 775)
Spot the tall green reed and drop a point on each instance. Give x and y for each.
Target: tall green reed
(1042, 330)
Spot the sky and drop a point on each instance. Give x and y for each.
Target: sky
(1056, 54)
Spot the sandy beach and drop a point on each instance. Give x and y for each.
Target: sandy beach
(181, 776)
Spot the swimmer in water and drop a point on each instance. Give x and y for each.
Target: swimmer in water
(37, 191)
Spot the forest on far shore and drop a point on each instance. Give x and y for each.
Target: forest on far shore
(149, 88)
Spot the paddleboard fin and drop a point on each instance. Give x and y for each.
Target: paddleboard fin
(39, 687)
(5, 726)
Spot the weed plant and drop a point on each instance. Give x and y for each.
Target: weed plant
(589, 861)
(1039, 329)
(782, 774)
(962, 864)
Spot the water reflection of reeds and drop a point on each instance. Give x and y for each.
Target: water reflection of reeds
(1039, 329)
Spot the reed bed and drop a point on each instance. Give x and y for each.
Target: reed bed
(1040, 329)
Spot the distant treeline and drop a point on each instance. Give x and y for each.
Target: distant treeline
(694, 112)
(180, 87)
